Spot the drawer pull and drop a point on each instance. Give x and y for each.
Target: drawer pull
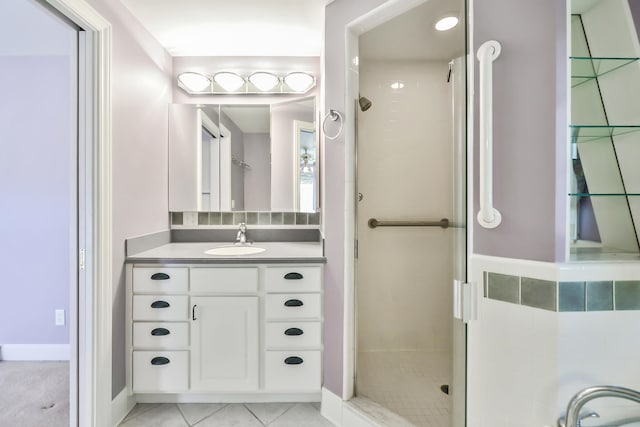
(293, 276)
(159, 332)
(160, 276)
(293, 303)
(294, 331)
(160, 304)
(293, 360)
(159, 361)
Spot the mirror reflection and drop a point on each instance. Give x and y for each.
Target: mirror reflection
(259, 157)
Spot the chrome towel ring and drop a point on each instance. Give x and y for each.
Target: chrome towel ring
(335, 116)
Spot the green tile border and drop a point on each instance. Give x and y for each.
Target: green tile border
(564, 297)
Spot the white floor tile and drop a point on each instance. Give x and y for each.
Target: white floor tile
(166, 415)
(140, 409)
(301, 415)
(195, 412)
(233, 415)
(267, 412)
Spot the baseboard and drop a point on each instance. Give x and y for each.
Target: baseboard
(331, 407)
(35, 352)
(121, 405)
(241, 397)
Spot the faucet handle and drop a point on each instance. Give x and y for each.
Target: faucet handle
(242, 226)
(584, 414)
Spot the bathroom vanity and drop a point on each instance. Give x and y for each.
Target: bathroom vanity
(205, 328)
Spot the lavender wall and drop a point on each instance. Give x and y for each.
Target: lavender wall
(37, 174)
(141, 92)
(530, 128)
(338, 14)
(257, 180)
(237, 151)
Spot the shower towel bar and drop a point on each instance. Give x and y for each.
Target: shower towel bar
(374, 223)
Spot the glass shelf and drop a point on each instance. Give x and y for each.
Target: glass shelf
(603, 194)
(585, 133)
(586, 68)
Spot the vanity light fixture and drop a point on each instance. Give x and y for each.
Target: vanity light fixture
(230, 82)
(264, 81)
(446, 23)
(298, 81)
(195, 82)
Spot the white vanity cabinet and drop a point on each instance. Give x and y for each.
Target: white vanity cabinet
(223, 332)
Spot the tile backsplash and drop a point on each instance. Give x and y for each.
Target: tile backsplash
(563, 296)
(250, 218)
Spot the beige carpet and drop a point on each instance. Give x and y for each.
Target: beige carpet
(34, 394)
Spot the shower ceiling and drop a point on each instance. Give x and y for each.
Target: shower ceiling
(412, 36)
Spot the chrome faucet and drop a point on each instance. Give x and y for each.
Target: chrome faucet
(573, 417)
(241, 238)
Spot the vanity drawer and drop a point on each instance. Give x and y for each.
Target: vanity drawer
(292, 306)
(160, 307)
(293, 370)
(293, 334)
(160, 334)
(224, 279)
(160, 280)
(159, 371)
(293, 279)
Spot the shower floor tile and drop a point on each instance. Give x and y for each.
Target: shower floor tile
(407, 383)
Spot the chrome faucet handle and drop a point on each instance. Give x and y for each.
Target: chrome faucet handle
(584, 414)
(242, 227)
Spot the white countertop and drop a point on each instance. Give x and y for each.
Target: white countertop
(194, 253)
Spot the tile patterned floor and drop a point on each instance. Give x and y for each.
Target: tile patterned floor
(408, 383)
(225, 415)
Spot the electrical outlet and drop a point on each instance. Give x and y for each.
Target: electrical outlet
(59, 317)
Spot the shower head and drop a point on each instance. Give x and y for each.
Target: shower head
(365, 103)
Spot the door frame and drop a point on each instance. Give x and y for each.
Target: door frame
(91, 349)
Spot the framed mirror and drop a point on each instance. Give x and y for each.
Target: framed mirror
(254, 157)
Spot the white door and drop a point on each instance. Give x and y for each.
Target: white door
(224, 343)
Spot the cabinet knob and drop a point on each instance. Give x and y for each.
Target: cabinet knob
(160, 276)
(294, 331)
(160, 304)
(158, 332)
(293, 303)
(159, 361)
(293, 360)
(293, 276)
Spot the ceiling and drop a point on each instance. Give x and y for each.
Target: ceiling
(234, 28)
(412, 36)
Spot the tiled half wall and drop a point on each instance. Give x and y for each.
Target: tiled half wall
(569, 296)
(250, 218)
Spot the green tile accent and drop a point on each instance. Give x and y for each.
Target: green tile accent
(177, 218)
(215, 218)
(252, 218)
(227, 218)
(276, 218)
(288, 218)
(600, 296)
(203, 218)
(302, 218)
(239, 217)
(503, 287)
(627, 295)
(314, 218)
(538, 293)
(264, 218)
(571, 296)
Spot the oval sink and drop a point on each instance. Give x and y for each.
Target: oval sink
(235, 250)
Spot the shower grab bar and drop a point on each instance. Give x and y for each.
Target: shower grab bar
(374, 223)
(488, 216)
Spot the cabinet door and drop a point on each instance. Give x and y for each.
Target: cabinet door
(224, 343)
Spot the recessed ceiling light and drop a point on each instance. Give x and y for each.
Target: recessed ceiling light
(264, 81)
(397, 85)
(229, 81)
(299, 82)
(195, 82)
(446, 23)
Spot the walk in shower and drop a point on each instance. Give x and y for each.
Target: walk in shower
(411, 144)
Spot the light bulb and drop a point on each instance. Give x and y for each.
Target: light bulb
(264, 81)
(446, 23)
(299, 82)
(229, 81)
(194, 82)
